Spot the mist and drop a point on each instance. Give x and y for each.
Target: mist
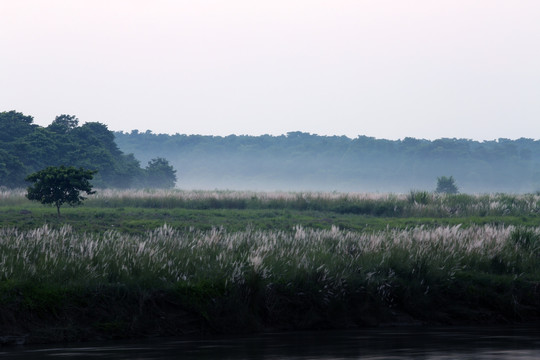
(301, 161)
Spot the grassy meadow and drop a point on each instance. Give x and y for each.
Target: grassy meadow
(136, 211)
(136, 263)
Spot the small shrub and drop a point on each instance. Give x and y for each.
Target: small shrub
(446, 185)
(419, 197)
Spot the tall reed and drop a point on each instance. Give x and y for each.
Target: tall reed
(414, 204)
(333, 261)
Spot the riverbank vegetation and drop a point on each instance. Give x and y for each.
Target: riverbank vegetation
(135, 211)
(241, 261)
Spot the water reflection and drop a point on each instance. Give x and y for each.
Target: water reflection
(396, 343)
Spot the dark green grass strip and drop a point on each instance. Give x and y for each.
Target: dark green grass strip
(136, 219)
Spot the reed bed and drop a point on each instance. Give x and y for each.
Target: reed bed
(413, 204)
(334, 262)
(12, 197)
(251, 279)
(270, 273)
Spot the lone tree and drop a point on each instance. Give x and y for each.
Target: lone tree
(159, 174)
(446, 185)
(59, 185)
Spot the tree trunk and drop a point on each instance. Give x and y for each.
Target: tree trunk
(58, 210)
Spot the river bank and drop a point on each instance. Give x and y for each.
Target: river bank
(37, 315)
(71, 281)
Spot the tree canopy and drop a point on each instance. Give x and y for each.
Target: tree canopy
(26, 148)
(60, 185)
(159, 174)
(63, 124)
(301, 161)
(446, 185)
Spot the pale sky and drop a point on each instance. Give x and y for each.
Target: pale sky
(383, 68)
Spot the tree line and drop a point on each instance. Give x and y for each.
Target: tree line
(26, 148)
(303, 161)
(293, 161)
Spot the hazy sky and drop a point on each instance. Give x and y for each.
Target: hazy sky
(383, 68)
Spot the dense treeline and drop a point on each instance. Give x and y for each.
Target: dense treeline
(26, 148)
(303, 161)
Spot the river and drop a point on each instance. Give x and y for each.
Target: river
(382, 343)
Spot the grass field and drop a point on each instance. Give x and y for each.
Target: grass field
(237, 261)
(139, 211)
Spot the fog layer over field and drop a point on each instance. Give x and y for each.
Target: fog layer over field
(305, 162)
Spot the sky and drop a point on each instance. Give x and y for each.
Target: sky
(383, 68)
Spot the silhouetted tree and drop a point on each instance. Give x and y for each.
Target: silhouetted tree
(446, 185)
(59, 185)
(159, 174)
(26, 148)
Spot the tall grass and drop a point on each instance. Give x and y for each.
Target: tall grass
(284, 274)
(416, 203)
(12, 197)
(413, 204)
(333, 262)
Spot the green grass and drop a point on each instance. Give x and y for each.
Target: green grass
(262, 272)
(138, 211)
(246, 260)
(138, 219)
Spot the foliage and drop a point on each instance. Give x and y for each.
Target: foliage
(60, 185)
(416, 270)
(26, 148)
(446, 185)
(159, 174)
(420, 197)
(15, 125)
(280, 260)
(527, 239)
(135, 211)
(309, 162)
(63, 124)
(12, 170)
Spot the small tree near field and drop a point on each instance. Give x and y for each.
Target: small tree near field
(60, 185)
(446, 185)
(159, 174)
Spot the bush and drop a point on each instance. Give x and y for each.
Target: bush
(446, 185)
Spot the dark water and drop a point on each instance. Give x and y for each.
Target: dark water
(390, 343)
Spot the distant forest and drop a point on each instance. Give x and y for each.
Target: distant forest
(26, 148)
(296, 161)
(301, 161)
